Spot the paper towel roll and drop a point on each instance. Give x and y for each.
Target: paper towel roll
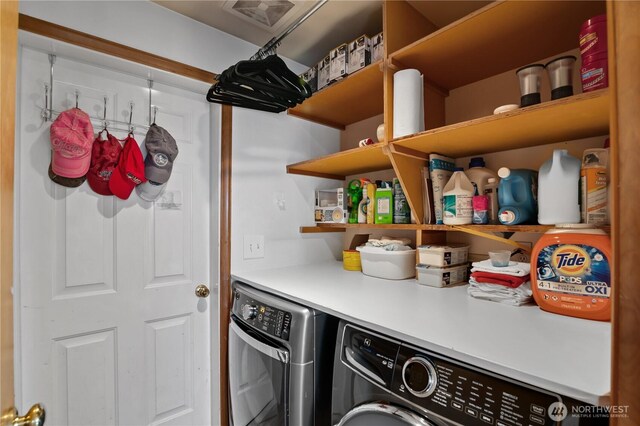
(408, 103)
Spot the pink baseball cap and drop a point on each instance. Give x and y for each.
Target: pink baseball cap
(71, 137)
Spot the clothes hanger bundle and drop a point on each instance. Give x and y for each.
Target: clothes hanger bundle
(264, 84)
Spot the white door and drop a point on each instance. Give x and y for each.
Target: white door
(110, 330)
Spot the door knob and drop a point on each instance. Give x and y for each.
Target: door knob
(202, 290)
(34, 417)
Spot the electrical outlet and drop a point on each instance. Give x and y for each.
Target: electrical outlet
(521, 255)
(253, 246)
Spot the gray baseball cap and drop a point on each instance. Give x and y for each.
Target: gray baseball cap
(162, 150)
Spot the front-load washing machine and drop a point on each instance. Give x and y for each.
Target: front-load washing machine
(381, 381)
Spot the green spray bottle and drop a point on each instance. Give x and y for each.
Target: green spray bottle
(355, 195)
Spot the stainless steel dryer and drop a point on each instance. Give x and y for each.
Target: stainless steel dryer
(381, 381)
(280, 361)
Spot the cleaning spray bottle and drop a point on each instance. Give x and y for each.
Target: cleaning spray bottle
(355, 195)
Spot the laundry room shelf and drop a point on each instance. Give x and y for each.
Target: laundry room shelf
(497, 38)
(354, 98)
(344, 163)
(575, 117)
(341, 227)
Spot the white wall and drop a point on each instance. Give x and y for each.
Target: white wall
(263, 145)
(149, 27)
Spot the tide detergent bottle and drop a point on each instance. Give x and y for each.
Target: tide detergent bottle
(571, 273)
(517, 196)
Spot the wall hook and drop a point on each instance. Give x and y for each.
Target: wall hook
(45, 110)
(131, 128)
(155, 113)
(105, 123)
(77, 93)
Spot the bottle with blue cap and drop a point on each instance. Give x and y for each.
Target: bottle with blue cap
(457, 201)
(479, 175)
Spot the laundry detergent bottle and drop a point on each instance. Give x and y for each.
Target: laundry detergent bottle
(479, 175)
(517, 196)
(457, 202)
(571, 272)
(558, 189)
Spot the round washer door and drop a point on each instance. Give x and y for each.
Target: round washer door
(380, 414)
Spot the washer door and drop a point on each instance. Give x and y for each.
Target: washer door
(381, 414)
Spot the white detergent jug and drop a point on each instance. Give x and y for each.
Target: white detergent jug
(479, 175)
(457, 202)
(558, 189)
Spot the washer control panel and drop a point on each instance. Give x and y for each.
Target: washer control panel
(465, 395)
(448, 388)
(261, 316)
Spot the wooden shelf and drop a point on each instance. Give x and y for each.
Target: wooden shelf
(348, 101)
(340, 227)
(499, 37)
(344, 163)
(575, 117)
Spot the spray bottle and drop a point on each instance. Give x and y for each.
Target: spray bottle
(355, 195)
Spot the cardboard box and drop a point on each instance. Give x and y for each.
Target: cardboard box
(339, 62)
(330, 206)
(324, 71)
(311, 77)
(359, 53)
(377, 47)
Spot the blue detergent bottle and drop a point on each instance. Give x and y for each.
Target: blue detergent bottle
(517, 196)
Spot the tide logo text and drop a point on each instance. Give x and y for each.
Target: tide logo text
(571, 261)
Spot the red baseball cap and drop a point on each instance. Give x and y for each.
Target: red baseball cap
(130, 170)
(71, 137)
(104, 158)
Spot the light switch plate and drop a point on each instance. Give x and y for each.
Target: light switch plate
(253, 246)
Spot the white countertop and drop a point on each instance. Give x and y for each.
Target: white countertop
(566, 355)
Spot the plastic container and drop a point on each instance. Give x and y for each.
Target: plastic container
(593, 36)
(457, 201)
(440, 255)
(571, 274)
(479, 175)
(558, 189)
(491, 191)
(500, 258)
(594, 72)
(441, 277)
(391, 265)
(351, 260)
(517, 196)
(594, 180)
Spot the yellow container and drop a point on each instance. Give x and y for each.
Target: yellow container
(351, 260)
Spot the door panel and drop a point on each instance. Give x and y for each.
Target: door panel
(87, 399)
(111, 330)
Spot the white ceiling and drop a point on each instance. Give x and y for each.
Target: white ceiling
(336, 22)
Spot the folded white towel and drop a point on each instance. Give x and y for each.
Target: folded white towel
(389, 244)
(499, 293)
(517, 269)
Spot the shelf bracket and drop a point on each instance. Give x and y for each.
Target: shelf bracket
(493, 237)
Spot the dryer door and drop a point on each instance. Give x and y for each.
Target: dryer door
(380, 414)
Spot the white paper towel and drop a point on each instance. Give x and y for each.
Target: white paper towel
(408, 103)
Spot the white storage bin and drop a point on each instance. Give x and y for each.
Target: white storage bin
(441, 277)
(441, 256)
(392, 265)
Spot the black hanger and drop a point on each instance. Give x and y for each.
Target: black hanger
(265, 84)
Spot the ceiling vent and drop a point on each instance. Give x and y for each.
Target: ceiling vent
(269, 15)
